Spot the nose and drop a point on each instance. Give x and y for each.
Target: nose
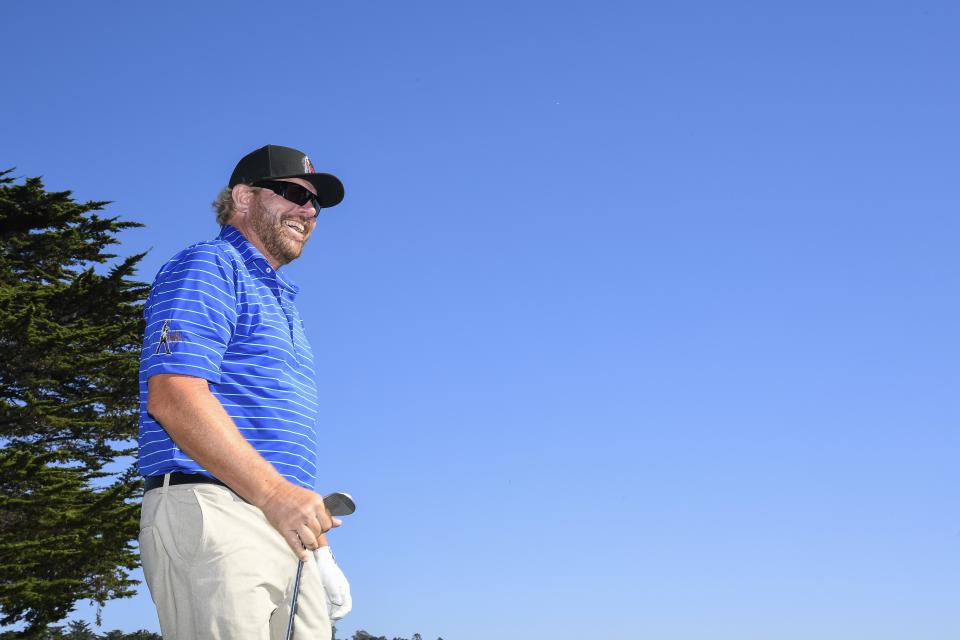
(311, 206)
(312, 209)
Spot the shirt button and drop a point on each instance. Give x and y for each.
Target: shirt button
(269, 270)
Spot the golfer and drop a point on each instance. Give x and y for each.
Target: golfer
(229, 444)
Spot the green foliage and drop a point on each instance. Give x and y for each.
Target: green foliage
(136, 635)
(364, 635)
(79, 630)
(70, 339)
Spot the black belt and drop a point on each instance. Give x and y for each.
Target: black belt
(155, 482)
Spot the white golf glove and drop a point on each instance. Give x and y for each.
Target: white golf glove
(335, 584)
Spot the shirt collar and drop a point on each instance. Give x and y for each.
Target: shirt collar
(253, 258)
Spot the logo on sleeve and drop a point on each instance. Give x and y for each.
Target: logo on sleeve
(166, 337)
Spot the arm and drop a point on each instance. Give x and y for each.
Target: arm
(200, 426)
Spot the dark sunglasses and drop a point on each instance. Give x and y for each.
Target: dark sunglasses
(290, 191)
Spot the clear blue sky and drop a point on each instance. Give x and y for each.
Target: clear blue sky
(639, 320)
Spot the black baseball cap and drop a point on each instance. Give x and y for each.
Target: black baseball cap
(273, 161)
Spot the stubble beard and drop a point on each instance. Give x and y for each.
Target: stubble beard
(269, 228)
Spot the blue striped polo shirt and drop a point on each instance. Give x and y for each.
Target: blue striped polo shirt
(219, 311)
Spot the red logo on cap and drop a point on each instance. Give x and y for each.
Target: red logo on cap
(308, 166)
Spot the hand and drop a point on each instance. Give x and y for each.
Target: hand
(300, 517)
(335, 584)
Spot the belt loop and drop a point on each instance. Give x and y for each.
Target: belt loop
(166, 483)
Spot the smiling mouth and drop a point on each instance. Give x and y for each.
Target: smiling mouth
(296, 226)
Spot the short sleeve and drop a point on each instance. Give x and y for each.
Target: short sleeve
(191, 315)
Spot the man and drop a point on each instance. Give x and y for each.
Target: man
(229, 444)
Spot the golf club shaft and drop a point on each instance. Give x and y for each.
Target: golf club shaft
(293, 600)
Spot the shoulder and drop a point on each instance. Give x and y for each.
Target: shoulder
(201, 272)
(213, 258)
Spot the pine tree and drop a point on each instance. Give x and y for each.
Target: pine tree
(136, 635)
(69, 353)
(80, 630)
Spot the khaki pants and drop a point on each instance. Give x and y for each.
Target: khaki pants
(217, 570)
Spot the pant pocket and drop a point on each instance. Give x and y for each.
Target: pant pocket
(151, 557)
(148, 508)
(185, 523)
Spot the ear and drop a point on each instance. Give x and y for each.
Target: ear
(243, 196)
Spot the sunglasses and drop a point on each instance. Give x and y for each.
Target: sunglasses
(291, 191)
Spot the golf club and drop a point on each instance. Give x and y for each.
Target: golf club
(337, 504)
(293, 600)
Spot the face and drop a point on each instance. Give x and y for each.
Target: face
(278, 227)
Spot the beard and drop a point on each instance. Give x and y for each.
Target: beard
(278, 243)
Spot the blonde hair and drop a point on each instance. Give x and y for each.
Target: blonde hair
(223, 205)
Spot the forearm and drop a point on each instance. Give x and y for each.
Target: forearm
(199, 425)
